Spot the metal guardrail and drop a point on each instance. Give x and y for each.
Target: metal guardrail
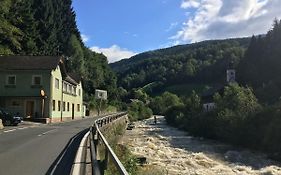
(96, 137)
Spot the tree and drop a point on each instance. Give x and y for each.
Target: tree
(76, 59)
(160, 104)
(10, 35)
(138, 111)
(232, 110)
(25, 21)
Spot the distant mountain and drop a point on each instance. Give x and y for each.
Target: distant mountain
(198, 63)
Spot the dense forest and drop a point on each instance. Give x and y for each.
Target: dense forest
(260, 68)
(36, 27)
(198, 64)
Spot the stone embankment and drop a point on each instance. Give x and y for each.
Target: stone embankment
(175, 152)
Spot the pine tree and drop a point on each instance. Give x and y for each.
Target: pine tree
(10, 35)
(27, 24)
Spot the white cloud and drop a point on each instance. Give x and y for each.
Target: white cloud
(85, 38)
(190, 4)
(172, 26)
(114, 53)
(216, 19)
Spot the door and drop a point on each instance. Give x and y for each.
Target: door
(29, 109)
(72, 111)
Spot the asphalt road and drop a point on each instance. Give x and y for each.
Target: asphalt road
(43, 149)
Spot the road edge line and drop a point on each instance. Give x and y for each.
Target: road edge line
(78, 162)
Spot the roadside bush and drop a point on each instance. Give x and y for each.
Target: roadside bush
(138, 111)
(161, 104)
(175, 116)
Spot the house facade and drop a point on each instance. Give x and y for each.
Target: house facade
(40, 88)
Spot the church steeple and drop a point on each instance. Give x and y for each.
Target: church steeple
(230, 73)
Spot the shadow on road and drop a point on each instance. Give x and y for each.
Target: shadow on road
(63, 163)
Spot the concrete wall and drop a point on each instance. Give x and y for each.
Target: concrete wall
(114, 129)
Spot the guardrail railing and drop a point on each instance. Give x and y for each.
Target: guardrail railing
(97, 138)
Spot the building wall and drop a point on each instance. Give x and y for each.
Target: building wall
(56, 94)
(23, 87)
(209, 106)
(14, 98)
(61, 96)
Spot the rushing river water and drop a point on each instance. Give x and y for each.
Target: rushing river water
(175, 152)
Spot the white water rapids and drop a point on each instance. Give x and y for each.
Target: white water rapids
(175, 152)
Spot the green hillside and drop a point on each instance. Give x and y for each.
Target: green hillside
(180, 67)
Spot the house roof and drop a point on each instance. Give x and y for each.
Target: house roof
(207, 96)
(75, 76)
(29, 62)
(71, 80)
(38, 63)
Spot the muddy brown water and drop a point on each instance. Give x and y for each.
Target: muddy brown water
(177, 153)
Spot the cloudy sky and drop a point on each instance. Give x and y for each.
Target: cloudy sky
(120, 29)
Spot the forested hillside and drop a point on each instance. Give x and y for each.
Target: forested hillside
(261, 67)
(48, 27)
(246, 113)
(199, 63)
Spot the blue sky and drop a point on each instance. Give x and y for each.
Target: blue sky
(122, 28)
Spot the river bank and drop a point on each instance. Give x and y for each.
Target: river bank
(175, 152)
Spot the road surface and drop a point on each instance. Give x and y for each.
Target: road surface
(42, 149)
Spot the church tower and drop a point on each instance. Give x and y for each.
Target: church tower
(230, 73)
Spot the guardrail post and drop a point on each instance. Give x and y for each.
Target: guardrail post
(105, 161)
(96, 143)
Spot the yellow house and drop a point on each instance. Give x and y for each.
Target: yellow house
(40, 88)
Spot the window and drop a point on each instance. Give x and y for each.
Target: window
(57, 83)
(64, 86)
(16, 103)
(54, 105)
(58, 105)
(79, 92)
(74, 90)
(36, 80)
(11, 80)
(63, 106)
(78, 107)
(67, 106)
(69, 89)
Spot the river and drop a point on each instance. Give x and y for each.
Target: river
(177, 153)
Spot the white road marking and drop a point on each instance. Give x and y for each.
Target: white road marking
(10, 130)
(44, 133)
(78, 159)
(23, 127)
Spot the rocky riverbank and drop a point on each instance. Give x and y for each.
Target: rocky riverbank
(175, 152)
